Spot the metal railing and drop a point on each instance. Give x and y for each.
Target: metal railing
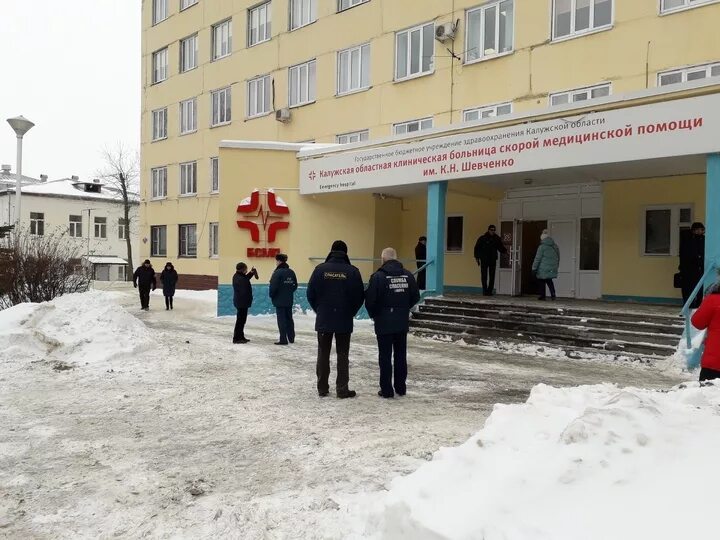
(377, 259)
(686, 308)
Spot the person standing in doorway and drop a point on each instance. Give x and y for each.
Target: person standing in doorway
(692, 262)
(283, 284)
(242, 299)
(391, 294)
(143, 281)
(486, 252)
(335, 293)
(421, 260)
(169, 279)
(546, 264)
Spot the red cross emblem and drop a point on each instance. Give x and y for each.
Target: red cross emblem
(255, 216)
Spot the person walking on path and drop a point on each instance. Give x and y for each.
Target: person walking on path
(283, 285)
(143, 281)
(421, 260)
(169, 279)
(692, 261)
(707, 317)
(391, 294)
(486, 252)
(335, 293)
(546, 264)
(242, 299)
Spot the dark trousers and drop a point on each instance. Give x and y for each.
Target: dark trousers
(688, 285)
(144, 296)
(285, 323)
(342, 348)
(168, 302)
(707, 374)
(421, 277)
(487, 273)
(389, 346)
(550, 285)
(240, 324)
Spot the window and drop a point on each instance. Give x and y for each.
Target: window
(590, 244)
(159, 183)
(122, 229)
(100, 227)
(221, 107)
(188, 116)
(188, 53)
(489, 31)
(159, 124)
(37, 223)
(76, 226)
(214, 229)
(159, 11)
(222, 39)
(347, 4)
(490, 111)
(259, 19)
(160, 65)
(454, 234)
(413, 125)
(353, 69)
(122, 273)
(188, 241)
(582, 94)
(259, 95)
(302, 13)
(694, 73)
(184, 4)
(573, 17)
(357, 136)
(302, 84)
(662, 227)
(677, 5)
(158, 241)
(414, 51)
(188, 178)
(214, 174)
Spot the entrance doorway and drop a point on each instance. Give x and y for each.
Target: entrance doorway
(531, 231)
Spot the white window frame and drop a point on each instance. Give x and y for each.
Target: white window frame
(100, 227)
(214, 174)
(591, 28)
(188, 179)
(188, 53)
(214, 239)
(483, 10)
(159, 11)
(362, 54)
(122, 229)
(221, 39)
(310, 85)
(224, 114)
(158, 240)
(423, 124)
(489, 111)
(259, 87)
(675, 225)
(353, 137)
(188, 116)
(344, 5)
(184, 239)
(37, 224)
(122, 272)
(160, 65)
(571, 94)
(462, 238)
(158, 183)
(75, 226)
(261, 13)
(307, 11)
(684, 72)
(687, 4)
(409, 76)
(184, 4)
(159, 124)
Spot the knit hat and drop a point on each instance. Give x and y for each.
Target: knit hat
(281, 257)
(146, 261)
(339, 245)
(697, 225)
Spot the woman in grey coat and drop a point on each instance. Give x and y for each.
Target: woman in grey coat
(546, 264)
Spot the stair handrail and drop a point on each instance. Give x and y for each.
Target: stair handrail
(685, 312)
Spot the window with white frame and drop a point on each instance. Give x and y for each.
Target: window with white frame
(221, 107)
(302, 84)
(188, 178)
(100, 227)
(122, 229)
(414, 51)
(347, 4)
(259, 20)
(302, 13)
(694, 73)
(188, 240)
(662, 228)
(214, 239)
(122, 273)
(222, 39)
(489, 30)
(159, 124)
(159, 10)
(412, 126)
(188, 53)
(188, 116)
(75, 227)
(259, 96)
(676, 5)
(574, 17)
(491, 111)
(454, 230)
(37, 223)
(581, 94)
(160, 65)
(184, 4)
(214, 174)
(158, 241)
(355, 136)
(159, 182)
(353, 69)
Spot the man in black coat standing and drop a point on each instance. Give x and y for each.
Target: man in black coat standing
(486, 252)
(242, 299)
(143, 281)
(283, 285)
(692, 261)
(335, 293)
(420, 260)
(390, 296)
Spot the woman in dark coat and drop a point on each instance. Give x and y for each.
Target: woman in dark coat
(169, 279)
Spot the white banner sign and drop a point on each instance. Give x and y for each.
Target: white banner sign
(672, 128)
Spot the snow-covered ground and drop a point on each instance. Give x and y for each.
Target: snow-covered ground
(122, 423)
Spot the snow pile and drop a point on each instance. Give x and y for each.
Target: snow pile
(593, 462)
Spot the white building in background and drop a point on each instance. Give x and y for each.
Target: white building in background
(89, 212)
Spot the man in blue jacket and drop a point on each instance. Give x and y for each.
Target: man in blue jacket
(242, 299)
(391, 294)
(335, 293)
(283, 285)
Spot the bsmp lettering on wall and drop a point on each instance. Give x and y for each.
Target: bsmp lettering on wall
(263, 215)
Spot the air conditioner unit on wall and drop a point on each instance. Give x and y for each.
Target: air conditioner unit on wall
(445, 32)
(283, 115)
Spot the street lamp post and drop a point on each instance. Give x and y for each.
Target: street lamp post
(21, 126)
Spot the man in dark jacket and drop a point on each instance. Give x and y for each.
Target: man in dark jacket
(283, 285)
(390, 296)
(420, 260)
(143, 281)
(692, 261)
(169, 279)
(242, 299)
(335, 293)
(486, 252)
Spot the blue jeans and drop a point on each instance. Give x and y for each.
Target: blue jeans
(390, 345)
(285, 323)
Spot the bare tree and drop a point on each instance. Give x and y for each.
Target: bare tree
(121, 172)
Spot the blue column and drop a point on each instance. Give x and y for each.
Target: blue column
(712, 215)
(435, 276)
